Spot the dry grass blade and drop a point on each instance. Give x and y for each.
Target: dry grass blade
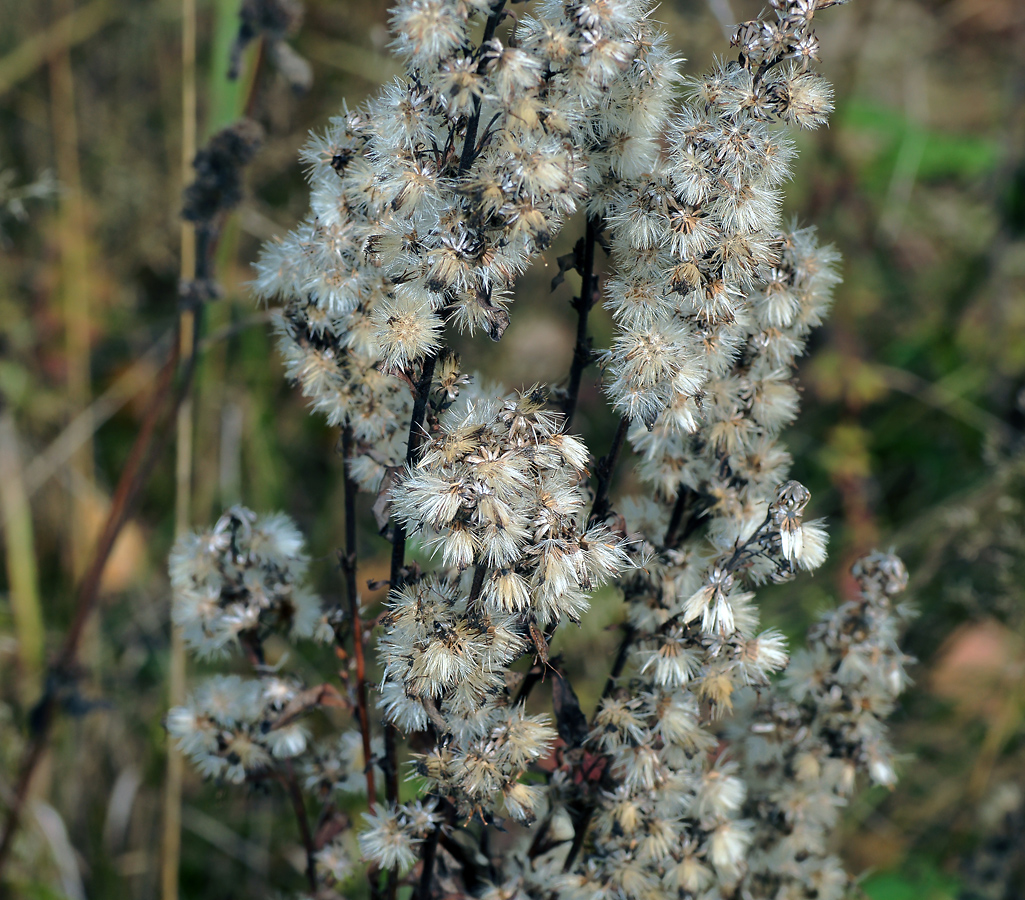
(66, 32)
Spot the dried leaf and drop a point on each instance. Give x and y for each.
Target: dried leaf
(568, 262)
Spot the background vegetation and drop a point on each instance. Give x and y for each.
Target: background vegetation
(911, 434)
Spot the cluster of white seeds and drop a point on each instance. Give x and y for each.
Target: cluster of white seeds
(701, 773)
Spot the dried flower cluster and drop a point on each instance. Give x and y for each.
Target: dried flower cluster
(700, 774)
(235, 586)
(241, 580)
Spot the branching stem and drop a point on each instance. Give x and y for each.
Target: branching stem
(470, 148)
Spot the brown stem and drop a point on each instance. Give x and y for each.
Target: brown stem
(606, 469)
(145, 451)
(348, 561)
(582, 354)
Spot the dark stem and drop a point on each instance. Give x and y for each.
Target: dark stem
(252, 648)
(423, 394)
(582, 819)
(629, 632)
(291, 785)
(579, 832)
(413, 445)
(740, 550)
(472, 604)
(391, 763)
(472, 875)
(684, 519)
(485, 850)
(683, 496)
(423, 890)
(349, 568)
(469, 153)
(582, 354)
(398, 562)
(606, 469)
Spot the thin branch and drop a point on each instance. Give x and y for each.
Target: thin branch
(583, 304)
(940, 396)
(147, 448)
(145, 451)
(470, 150)
(81, 428)
(348, 561)
(423, 889)
(475, 591)
(579, 833)
(685, 517)
(629, 633)
(606, 470)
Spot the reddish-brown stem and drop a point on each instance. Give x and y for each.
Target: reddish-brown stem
(145, 451)
(348, 561)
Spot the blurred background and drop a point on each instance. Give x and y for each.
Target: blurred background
(911, 435)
